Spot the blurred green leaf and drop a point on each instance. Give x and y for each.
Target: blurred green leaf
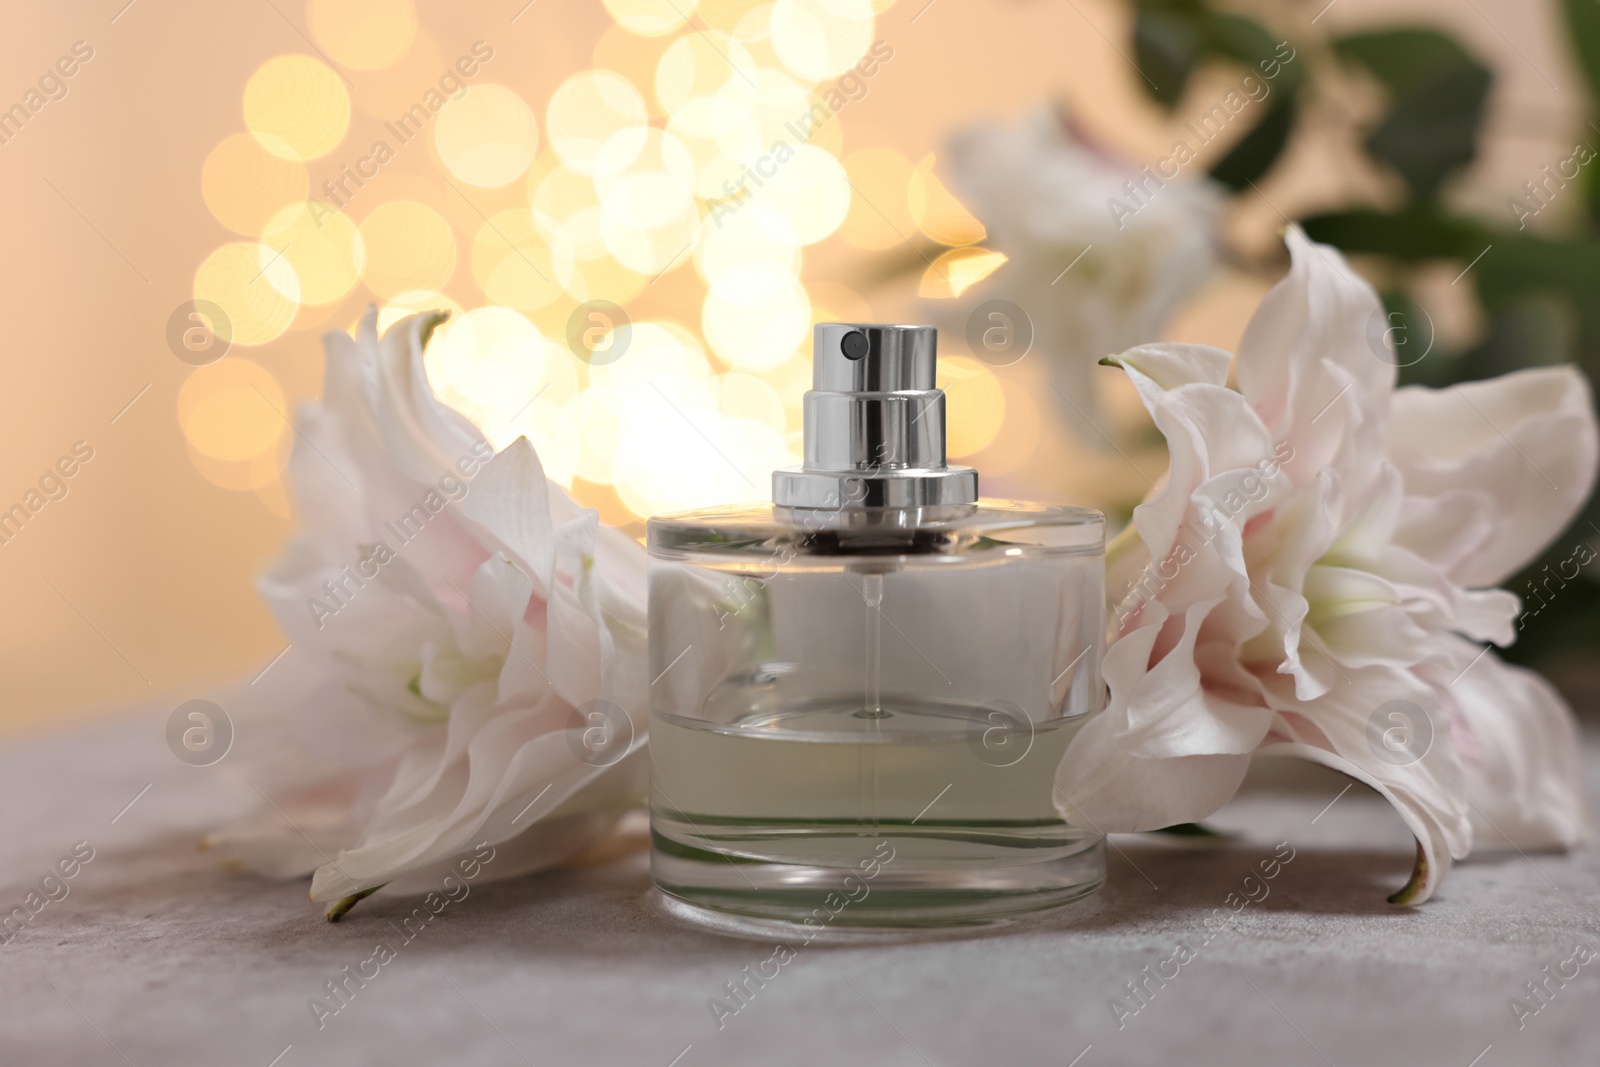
(1248, 43)
(1434, 130)
(1260, 148)
(1439, 93)
(1583, 20)
(1168, 43)
(1411, 235)
(1404, 59)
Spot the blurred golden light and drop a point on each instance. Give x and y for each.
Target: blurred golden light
(746, 396)
(726, 15)
(232, 410)
(406, 304)
(936, 210)
(273, 497)
(620, 49)
(565, 205)
(487, 364)
(605, 279)
(514, 265)
(587, 110)
(819, 39)
(956, 270)
(1012, 449)
(975, 403)
(732, 244)
(755, 318)
(701, 65)
(322, 245)
(363, 34)
(657, 352)
(649, 218)
(651, 18)
(487, 136)
(390, 92)
(832, 302)
(409, 246)
(879, 216)
(599, 428)
(244, 185)
(804, 200)
(296, 107)
(255, 286)
(259, 470)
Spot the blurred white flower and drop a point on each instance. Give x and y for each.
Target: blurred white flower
(1093, 277)
(1312, 579)
(467, 646)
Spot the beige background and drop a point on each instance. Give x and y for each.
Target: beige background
(137, 585)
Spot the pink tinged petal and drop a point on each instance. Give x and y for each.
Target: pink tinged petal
(1424, 786)
(499, 597)
(510, 501)
(1521, 756)
(423, 438)
(1309, 341)
(1527, 439)
(1449, 529)
(1209, 430)
(1166, 750)
(1159, 368)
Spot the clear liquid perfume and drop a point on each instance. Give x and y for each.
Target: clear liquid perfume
(862, 692)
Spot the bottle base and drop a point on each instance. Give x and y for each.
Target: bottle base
(890, 875)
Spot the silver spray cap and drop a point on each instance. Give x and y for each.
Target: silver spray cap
(874, 424)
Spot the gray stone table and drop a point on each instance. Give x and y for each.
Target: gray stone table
(156, 958)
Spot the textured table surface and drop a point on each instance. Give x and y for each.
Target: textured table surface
(156, 958)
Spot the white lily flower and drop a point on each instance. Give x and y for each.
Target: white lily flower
(468, 646)
(1313, 578)
(1092, 275)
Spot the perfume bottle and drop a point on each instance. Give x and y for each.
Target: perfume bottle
(861, 693)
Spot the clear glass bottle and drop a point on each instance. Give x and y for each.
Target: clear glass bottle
(861, 693)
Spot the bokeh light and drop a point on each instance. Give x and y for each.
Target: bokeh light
(363, 34)
(322, 245)
(686, 173)
(254, 285)
(296, 107)
(486, 136)
(232, 410)
(819, 39)
(244, 185)
(975, 403)
(651, 18)
(587, 110)
(936, 210)
(409, 246)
